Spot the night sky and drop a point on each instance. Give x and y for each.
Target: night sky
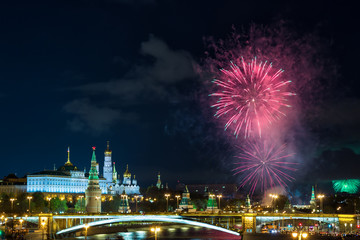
(79, 73)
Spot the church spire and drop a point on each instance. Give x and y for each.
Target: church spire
(93, 173)
(114, 174)
(107, 151)
(158, 184)
(68, 158)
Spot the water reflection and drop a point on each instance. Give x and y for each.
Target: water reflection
(167, 232)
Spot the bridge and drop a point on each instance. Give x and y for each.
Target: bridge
(62, 225)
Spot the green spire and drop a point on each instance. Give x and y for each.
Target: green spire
(93, 173)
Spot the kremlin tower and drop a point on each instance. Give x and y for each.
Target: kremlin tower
(158, 184)
(107, 170)
(93, 191)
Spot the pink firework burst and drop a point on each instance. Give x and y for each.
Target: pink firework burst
(250, 96)
(264, 166)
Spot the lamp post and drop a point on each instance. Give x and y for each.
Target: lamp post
(43, 227)
(155, 230)
(49, 199)
(81, 203)
(86, 229)
(167, 201)
(177, 201)
(219, 197)
(12, 203)
(21, 222)
(345, 227)
(136, 199)
(29, 198)
(212, 196)
(321, 196)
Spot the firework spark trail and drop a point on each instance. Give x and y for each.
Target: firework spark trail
(265, 165)
(347, 185)
(252, 95)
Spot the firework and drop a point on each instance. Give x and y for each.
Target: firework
(264, 166)
(250, 95)
(348, 185)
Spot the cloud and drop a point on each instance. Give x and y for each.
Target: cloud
(155, 79)
(92, 117)
(149, 81)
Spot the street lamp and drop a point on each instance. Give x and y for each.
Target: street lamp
(12, 203)
(21, 222)
(177, 201)
(155, 230)
(273, 196)
(212, 196)
(81, 203)
(167, 201)
(136, 199)
(49, 199)
(321, 196)
(86, 229)
(29, 198)
(43, 227)
(219, 196)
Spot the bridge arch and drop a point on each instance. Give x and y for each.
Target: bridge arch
(146, 218)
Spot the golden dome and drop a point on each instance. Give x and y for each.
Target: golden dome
(127, 174)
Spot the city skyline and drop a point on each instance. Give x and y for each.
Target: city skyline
(80, 73)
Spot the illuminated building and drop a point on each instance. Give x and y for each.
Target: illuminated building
(128, 185)
(124, 203)
(93, 191)
(211, 205)
(108, 168)
(226, 190)
(12, 185)
(66, 179)
(186, 204)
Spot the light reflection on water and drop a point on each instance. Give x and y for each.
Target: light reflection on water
(167, 232)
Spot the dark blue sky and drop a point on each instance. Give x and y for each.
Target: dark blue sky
(79, 73)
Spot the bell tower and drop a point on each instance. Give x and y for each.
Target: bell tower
(107, 170)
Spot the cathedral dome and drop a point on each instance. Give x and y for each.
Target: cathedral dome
(68, 166)
(127, 174)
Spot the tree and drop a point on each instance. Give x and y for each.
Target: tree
(5, 204)
(39, 202)
(58, 205)
(80, 205)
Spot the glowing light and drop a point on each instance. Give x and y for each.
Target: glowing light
(93, 148)
(265, 165)
(148, 218)
(250, 95)
(294, 234)
(348, 185)
(304, 235)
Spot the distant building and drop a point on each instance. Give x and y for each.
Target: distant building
(12, 185)
(66, 179)
(186, 204)
(128, 185)
(226, 190)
